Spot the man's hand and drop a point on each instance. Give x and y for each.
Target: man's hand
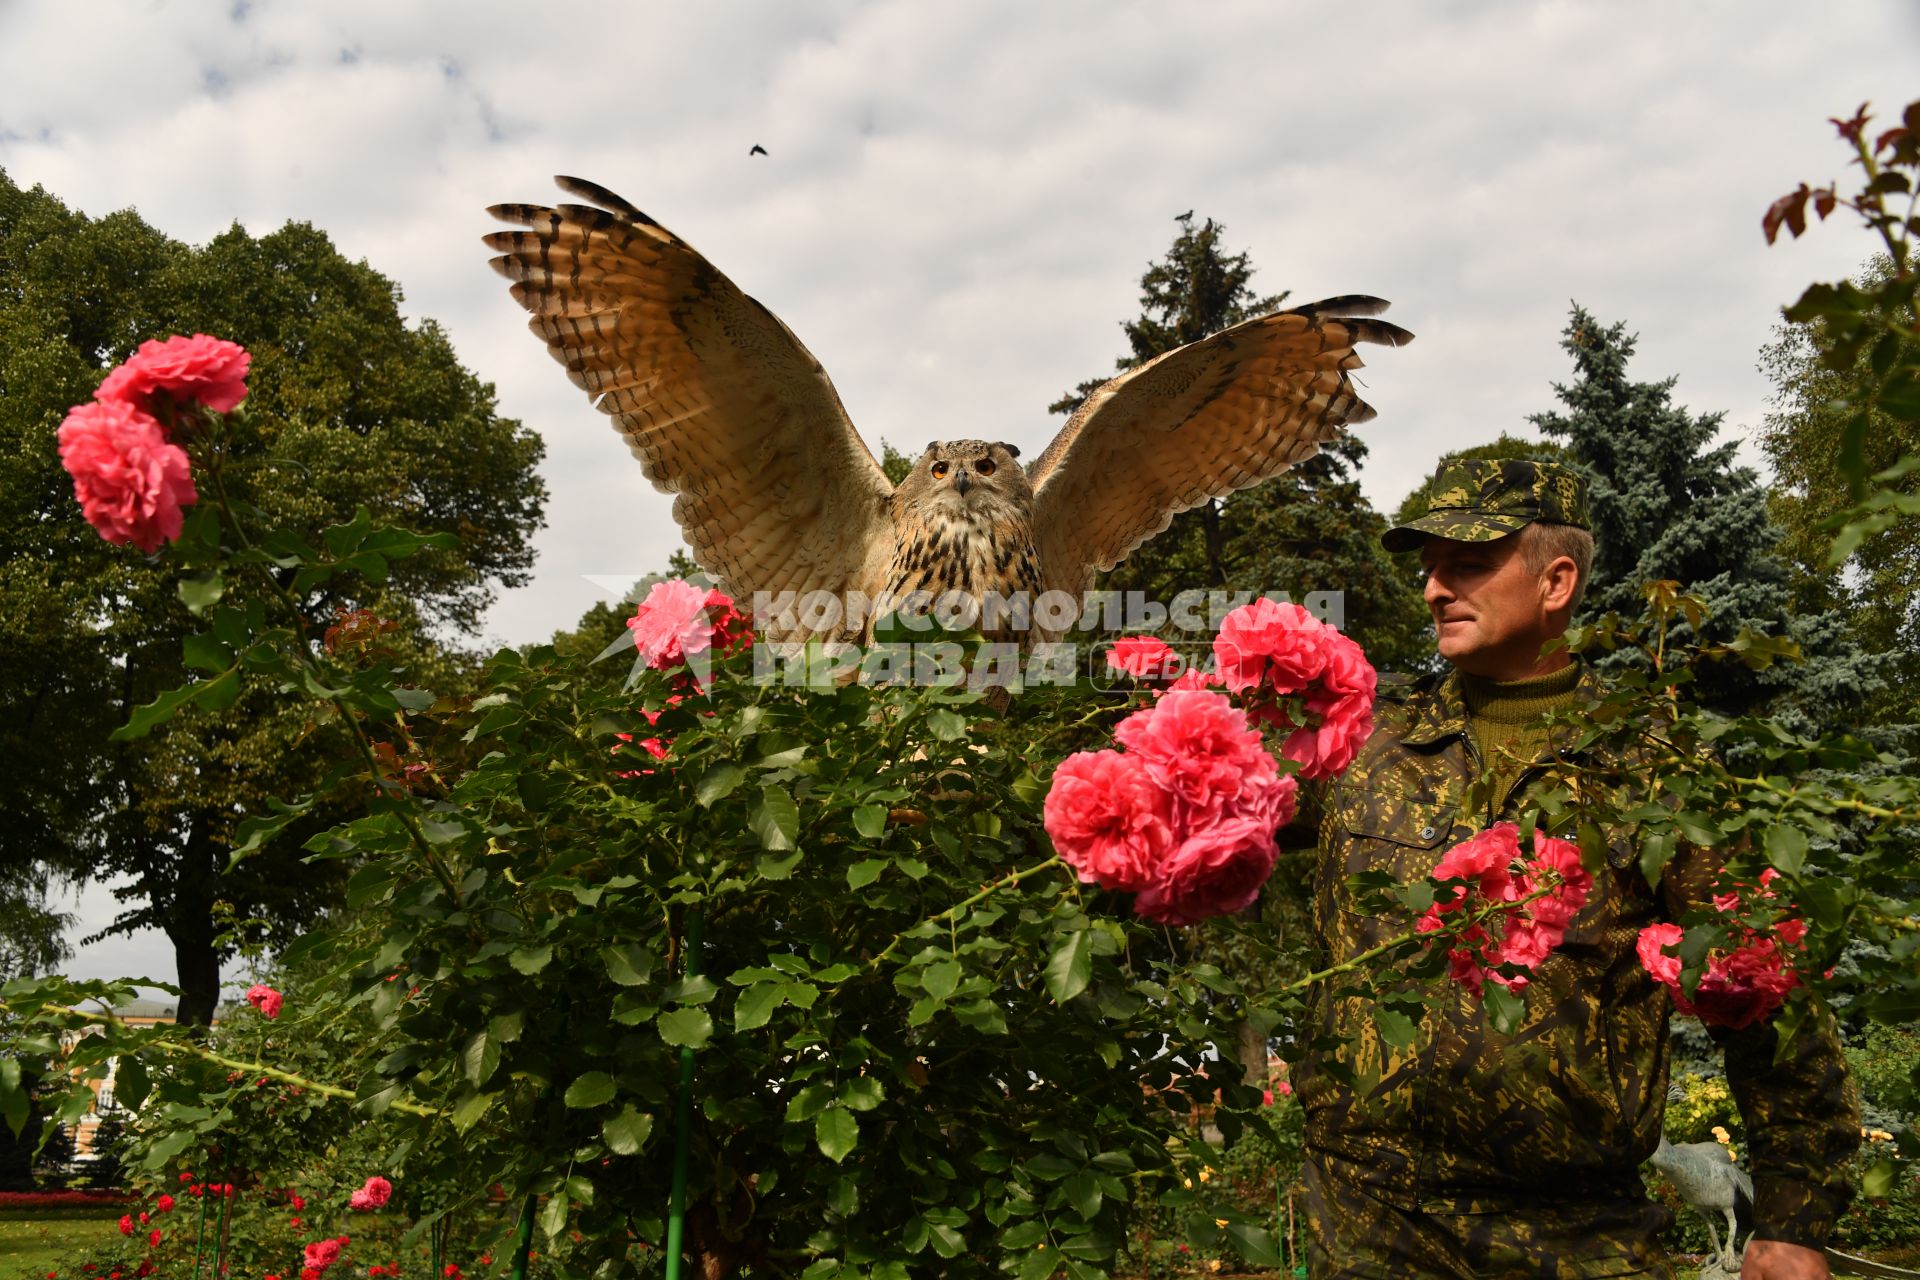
(1778, 1260)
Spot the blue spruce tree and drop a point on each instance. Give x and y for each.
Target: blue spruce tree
(1669, 503)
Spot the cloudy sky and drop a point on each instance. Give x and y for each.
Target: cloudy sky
(958, 199)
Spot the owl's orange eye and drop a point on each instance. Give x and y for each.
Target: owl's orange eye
(939, 470)
(984, 466)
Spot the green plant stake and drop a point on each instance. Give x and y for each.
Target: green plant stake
(524, 1245)
(683, 1117)
(226, 1213)
(200, 1240)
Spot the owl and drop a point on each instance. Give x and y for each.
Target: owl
(783, 504)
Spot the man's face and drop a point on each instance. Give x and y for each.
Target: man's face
(1490, 612)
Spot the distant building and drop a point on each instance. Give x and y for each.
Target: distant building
(135, 1013)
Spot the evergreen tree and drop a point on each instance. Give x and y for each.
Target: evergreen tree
(1308, 530)
(1668, 503)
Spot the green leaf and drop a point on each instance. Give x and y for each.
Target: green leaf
(717, 783)
(941, 979)
(168, 1147)
(807, 1103)
(1878, 1180)
(217, 693)
(837, 1132)
(870, 820)
(627, 964)
(862, 874)
(201, 591)
(1083, 1193)
(480, 1058)
(862, 1093)
(1787, 848)
(946, 725)
(1396, 1028)
(1504, 1009)
(627, 1132)
(467, 1111)
(1070, 967)
(756, 1004)
(1656, 851)
(776, 819)
(691, 1028)
(769, 866)
(553, 1218)
(1040, 1264)
(131, 1083)
(1698, 828)
(1255, 1244)
(13, 1098)
(205, 652)
(530, 960)
(594, 1089)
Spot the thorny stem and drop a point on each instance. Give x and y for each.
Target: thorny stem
(1010, 880)
(1396, 943)
(253, 1068)
(1834, 802)
(347, 717)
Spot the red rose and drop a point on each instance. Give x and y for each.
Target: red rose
(199, 369)
(265, 999)
(129, 480)
(164, 1204)
(126, 1224)
(1143, 657)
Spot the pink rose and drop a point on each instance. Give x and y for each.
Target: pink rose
(1108, 818)
(671, 623)
(1562, 858)
(1223, 863)
(1485, 858)
(1280, 646)
(1342, 699)
(1143, 657)
(1193, 678)
(678, 621)
(265, 999)
(130, 482)
(200, 369)
(376, 1190)
(1199, 746)
(322, 1254)
(1652, 948)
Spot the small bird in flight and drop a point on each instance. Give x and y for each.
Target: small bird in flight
(758, 150)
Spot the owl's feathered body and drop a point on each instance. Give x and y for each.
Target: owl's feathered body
(777, 494)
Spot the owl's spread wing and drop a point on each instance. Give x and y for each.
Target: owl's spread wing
(715, 396)
(1196, 423)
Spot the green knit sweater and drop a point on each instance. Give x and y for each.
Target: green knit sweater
(1502, 719)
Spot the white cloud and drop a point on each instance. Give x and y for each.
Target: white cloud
(958, 199)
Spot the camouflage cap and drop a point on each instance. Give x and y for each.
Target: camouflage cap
(1479, 500)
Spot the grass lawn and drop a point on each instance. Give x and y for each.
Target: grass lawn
(33, 1241)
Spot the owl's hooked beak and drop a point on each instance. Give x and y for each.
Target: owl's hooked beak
(963, 482)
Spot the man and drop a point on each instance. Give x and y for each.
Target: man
(1473, 1153)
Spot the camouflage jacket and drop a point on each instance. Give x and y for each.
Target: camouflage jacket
(1569, 1105)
